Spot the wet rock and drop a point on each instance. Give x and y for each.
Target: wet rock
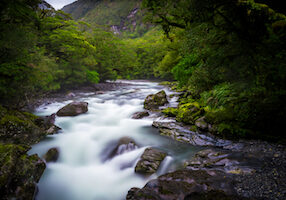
(154, 101)
(202, 124)
(71, 95)
(227, 161)
(99, 92)
(183, 184)
(73, 109)
(182, 133)
(123, 145)
(140, 115)
(131, 193)
(19, 172)
(150, 161)
(47, 123)
(52, 155)
(20, 127)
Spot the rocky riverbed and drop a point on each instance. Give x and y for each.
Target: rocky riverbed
(219, 169)
(224, 170)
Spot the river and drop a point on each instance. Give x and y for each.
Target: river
(83, 171)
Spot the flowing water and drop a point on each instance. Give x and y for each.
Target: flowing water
(83, 170)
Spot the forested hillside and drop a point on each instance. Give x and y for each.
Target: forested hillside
(228, 57)
(123, 17)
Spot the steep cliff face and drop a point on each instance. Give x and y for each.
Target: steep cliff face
(120, 16)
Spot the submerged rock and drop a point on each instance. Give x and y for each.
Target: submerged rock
(154, 101)
(123, 145)
(73, 109)
(150, 161)
(140, 115)
(52, 155)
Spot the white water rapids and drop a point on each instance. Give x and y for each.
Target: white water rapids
(82, 172)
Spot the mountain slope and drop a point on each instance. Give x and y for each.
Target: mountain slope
(121, 16)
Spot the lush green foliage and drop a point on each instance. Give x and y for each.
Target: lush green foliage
(231, 59)
(123, 15)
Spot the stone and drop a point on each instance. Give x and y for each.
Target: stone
(154, 101)
(123, 145)
(183, 184)
(52, 155)
(150, 161)
(201, 124)
(227, 161)
(140, 115)
(73, 109)
(47, 123)
(19, 172)
(70, 95)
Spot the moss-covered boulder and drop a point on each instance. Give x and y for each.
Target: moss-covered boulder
(170, 112)
(154, 101)
(20, 127)
(150, 161)
(52, 155)
(188, 113)
(73, 109)
(19, 173)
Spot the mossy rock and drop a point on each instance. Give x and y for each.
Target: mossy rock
(19, 172)
(154, 101)
(17, 127)
(188, 113)
(22, 127)
(52, 155)
(170, 112)
(150, 161)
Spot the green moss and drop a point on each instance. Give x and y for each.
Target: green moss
(12, 119)
(193, 128)
(188, 113)
(30, 116)
(170, 112)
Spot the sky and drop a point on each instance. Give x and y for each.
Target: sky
(58, 4)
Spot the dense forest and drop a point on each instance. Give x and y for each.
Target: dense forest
(225, 58)
(228, 57)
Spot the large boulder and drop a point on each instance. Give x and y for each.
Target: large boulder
(73, 109)
(150, 161)
(52, 155)
(154, 101)
(19, 173)
(140, 115)
(187, 184)
(20, 127)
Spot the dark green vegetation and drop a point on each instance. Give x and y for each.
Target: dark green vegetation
(43, 50)
(19, 172)
(229, 59)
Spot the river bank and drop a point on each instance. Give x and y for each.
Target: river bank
(209, 167)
